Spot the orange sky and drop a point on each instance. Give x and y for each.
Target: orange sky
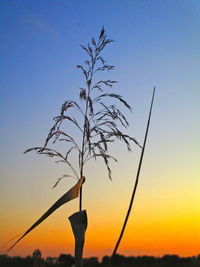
(157, 43)
(162, 221)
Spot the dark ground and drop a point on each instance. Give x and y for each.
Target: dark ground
(67, 260)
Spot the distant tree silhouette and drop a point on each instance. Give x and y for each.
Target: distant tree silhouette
(119, 260)
(65, 260)
(37, 259)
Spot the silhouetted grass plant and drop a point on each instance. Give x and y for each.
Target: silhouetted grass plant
(100, 122)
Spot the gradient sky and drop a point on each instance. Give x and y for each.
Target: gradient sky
(157, 43)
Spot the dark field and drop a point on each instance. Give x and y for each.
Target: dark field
(67, 260)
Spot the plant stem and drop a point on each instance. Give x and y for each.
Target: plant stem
(84, 129)
(82, 156)
(137, 179)
(80, 199)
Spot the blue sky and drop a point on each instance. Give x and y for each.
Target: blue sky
(156, 43)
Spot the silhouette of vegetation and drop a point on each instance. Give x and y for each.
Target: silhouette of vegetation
(92, 124)
(136, 181)
(97, 122)
(65, 260)
(117, 260)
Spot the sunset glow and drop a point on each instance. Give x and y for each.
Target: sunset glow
(157, 43)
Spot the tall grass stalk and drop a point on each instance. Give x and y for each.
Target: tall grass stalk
(136, 181)
(100, 123)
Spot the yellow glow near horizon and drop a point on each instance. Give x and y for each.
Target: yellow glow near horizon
(164, 223)
(39, 50)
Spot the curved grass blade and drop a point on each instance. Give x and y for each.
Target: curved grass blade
(68, 196)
